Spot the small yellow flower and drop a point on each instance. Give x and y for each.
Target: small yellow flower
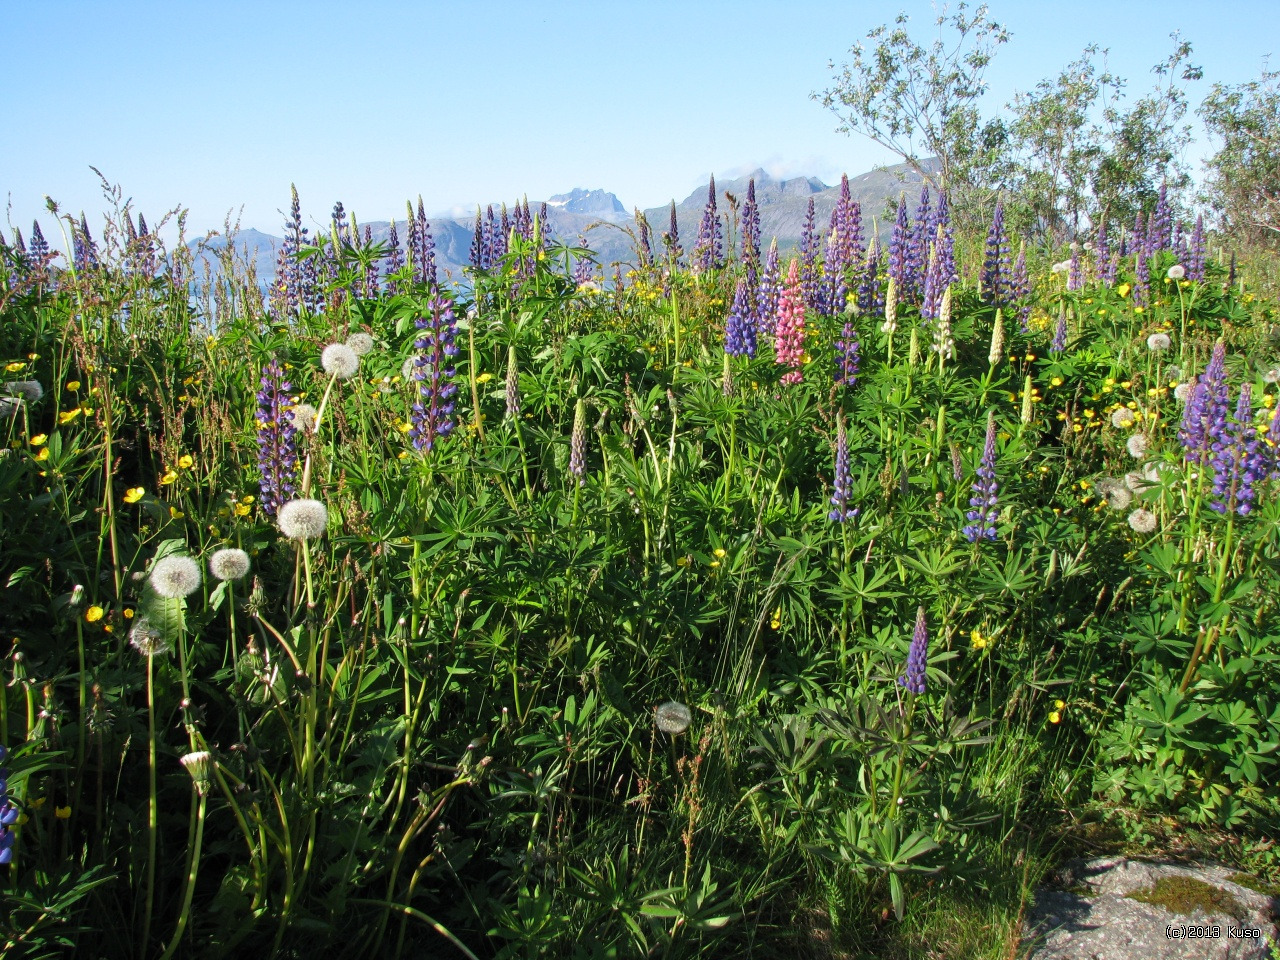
(1123, 289)
(185, 461)
(73, 385)
(1139, 310)
(682, 561)
(976, 640)
(43, 454)
(1127, 384)
(93, 614)
(715, 563)
(127, 613)
(242, 509)
(1055, 382)
(1055, 717)
(38, 440)
(68, 416)
(1058, 704)
(247, 498)
(37, 803)
(176, 513)
(133, 494)
(484, 378)
(15, 366)
(169, 477)
(62, 813)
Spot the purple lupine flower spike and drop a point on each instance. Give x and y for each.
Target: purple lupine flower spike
(426, 272)
(870, 295)
(477, 242)
(644, 247)
(1059, 341)
(371, 271)
(8, 812)
(709, 252)
(740, 328)
(578, 443)
(946, 244)
(544, 224)
(1196, 251)
(899, 240)
(582, 268)
(809, 279)
(1204, 418)
(917, 657)
(277, 450)
(984, 502)
(671, 239)
(917, 260)
(393, 263)
(770, 290)
(995, 264)
(847, 355)
(1075, 275)
(434, 370)
(1020, 287)
(842, 485)
(751, 226)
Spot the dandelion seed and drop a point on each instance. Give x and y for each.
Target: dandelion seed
(1159, 342)
(146, 639)
(360, 343)
(303, 519)
(1114, 492)
(1176, 272)
(1272, 375)
(1122, 418)
(339, 360)
(1142, 521)
(230, 563)
(197, 764)
(304, 416)
(1137, 446)
(29, 390)
(672, 717)
(1183, 392)
(175, 576)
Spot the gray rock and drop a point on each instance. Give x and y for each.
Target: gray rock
(1088, 914)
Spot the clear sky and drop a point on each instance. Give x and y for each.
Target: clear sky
(218, 106)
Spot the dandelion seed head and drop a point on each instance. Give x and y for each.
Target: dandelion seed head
(230, 563)
(1114, 492)
(146, 639)
(29, 390)
(360, 343)
(672, 717)
(1177, 272)
(339, 360)
(1272, 375)
(1122, 418)
(1142, 521)
(304, 417)
(303, 519)
(1137, 445)
(1159, 342)
(1183, 392)
(175, 576)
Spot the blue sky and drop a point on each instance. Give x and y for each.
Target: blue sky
(219, 106)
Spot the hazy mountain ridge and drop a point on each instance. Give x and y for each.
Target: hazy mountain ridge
(610, 229)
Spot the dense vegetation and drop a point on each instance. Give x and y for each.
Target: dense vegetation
(741, 608)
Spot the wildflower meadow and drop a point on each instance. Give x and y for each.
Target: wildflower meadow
(737, 601)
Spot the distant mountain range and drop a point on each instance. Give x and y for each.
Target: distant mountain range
(610, 229)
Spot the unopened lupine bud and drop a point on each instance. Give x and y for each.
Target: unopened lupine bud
(996, 353)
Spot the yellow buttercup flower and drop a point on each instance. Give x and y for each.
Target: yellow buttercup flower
(1055, 716)
(976, 640)
(43, 454)
(242, 509)
(719, 552)
(1123, 289)
(93, 614)
(73, 385)
(185, 461)
(68, 416)
(38, 440)
(62, 813)
(176, 513)
(169, 477)
(484, 378)
(127, 613)
(15, 366)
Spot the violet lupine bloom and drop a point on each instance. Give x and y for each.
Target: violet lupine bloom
(982, 518)
(1273, 444)
(671, 239)
(8, 812)
(1204, 418)
(1075, 275)
(917, 657)
(995, 264)
(1239, 462)
(277, 450)
(1196, 251)
(848, 350)
(433, 413)
(37, 247)
(846, 218)
(708, 254)
(788, 339)
(371, 271)
(298, 277)
(498, 231)
(1105, 264)
(917, 261)
(477, 242)
(424, 267)
(578, 443)
(833, 287)
(809, 279)
(88, 249)
(1138, 238)
(946, 249)
(751, 226)
(1161, 225)
(842, 485)
(644, 247)
(870, 295)
(934, 285)
(544, 225)
(898, 243)
(770, 289)
(393, 263)
(1059, 341)
(740, 327)
(582, 266)
(1141, 280)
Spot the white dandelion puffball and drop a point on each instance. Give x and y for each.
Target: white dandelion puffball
(672, 717)
(1136, 481)
(1272, 375)
(1176, 272)
(8, 408)
(146, 639)
(1142, 521)
(1159, 342)
(304, 417)
(1174, 371)
(360, 343)
(303, 519)
(175, 576)
(407, 368)
(1122, 418)
(29, 390)
(1060, 267)
(1137, 445)
(1116, 493)
(1183, 392)
(339, 360)
(231, 563)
